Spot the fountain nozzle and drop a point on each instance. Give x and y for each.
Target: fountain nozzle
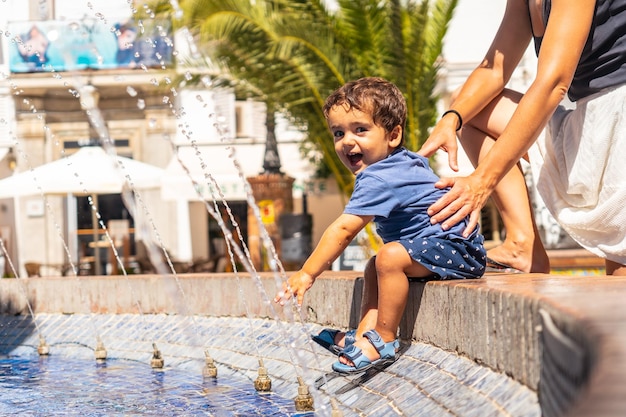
(304, 400)
(209, 370)
(157, 359)
(43, 348)
(336, 412)
(101, 352)
(263, 383)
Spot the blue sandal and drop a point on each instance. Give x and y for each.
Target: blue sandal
(326, 339)
(387, 351)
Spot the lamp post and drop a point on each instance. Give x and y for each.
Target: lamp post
(272, 192)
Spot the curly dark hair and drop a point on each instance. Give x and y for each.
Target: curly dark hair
(375, 95)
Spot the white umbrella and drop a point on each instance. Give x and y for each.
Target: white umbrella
(89, 171)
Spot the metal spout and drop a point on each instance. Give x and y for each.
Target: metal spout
(304, 400)
(157, 359)
(263, 383)
(336, 412)
(209, 370)
(43, 348)
(100, 352)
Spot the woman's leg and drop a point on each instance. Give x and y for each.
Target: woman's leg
(393, 264)
(522, 247)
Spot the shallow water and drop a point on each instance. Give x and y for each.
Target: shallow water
(48, 386)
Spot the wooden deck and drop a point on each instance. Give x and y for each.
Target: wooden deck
(561, 259)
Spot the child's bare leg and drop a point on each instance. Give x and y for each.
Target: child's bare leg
(369, 303)
(522, 247)
(393, 265)
(369, 300)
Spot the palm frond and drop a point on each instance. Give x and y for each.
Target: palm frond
(293, 53)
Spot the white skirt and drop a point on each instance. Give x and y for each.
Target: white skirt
(579, 167)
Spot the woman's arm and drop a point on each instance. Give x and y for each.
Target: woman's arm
(563, 42)
(487, 81)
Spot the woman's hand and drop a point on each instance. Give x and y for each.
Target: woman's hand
(443, 136)
(466, 198)
(297, 284)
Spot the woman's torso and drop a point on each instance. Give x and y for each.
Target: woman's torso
(603, 60)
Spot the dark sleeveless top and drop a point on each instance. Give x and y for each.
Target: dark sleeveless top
(603, 60)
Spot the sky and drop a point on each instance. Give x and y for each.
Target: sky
(471, 30)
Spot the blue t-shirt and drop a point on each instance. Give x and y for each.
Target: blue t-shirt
(397, 191)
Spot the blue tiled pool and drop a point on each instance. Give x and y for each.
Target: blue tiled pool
(425, 381)
(54, 386)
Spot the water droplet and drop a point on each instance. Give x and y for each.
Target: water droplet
(141, 104)
(131, 91)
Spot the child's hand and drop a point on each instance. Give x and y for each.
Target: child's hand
(296, 286)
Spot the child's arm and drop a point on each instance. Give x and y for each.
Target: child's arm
(333, 242)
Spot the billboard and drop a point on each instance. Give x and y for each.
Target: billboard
(88, 44)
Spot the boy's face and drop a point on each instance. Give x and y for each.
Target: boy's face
(359, 142)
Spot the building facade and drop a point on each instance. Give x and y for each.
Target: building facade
(76, 73)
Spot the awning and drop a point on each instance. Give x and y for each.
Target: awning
(90, 170)
(4, 151)
(220, 162)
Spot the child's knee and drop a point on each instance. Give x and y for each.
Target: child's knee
(391, 256)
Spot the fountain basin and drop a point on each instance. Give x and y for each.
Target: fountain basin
(449, 329)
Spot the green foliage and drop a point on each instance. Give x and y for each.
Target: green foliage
(293, 53)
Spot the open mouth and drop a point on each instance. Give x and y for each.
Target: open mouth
(354, 158)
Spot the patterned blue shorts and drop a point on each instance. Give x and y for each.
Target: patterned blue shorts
(450, 257)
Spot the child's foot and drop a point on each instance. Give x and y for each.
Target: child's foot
(368, 352)
(334, 340)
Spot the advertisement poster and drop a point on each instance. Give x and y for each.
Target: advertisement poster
(88, 44)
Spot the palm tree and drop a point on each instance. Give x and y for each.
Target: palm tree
(293, 53)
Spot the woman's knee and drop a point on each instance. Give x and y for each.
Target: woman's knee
(495, 116)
